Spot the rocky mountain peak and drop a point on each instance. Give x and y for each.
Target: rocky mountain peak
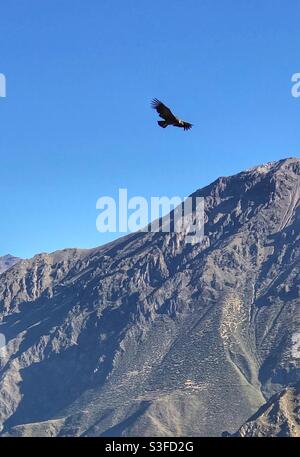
(7, 261)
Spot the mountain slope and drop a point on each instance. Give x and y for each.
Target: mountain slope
(149, 335)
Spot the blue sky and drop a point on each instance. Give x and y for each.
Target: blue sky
(76, 123)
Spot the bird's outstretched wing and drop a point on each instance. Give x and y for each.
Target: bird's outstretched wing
(187, 125)
(163, 111)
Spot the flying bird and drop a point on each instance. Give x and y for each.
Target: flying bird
(169, 118)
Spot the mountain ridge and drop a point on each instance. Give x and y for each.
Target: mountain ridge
(279, 417)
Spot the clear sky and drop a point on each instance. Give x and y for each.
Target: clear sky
(76, 123)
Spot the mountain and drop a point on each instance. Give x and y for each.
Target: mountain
(7, 262)
(151, 336)
(280, 416)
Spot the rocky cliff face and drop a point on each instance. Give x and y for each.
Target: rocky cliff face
(280, 416)
(149, 335)
(7, 261)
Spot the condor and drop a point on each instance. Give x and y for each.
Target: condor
(169, 118)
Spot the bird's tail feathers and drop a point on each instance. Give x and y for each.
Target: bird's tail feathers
(162, 124)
